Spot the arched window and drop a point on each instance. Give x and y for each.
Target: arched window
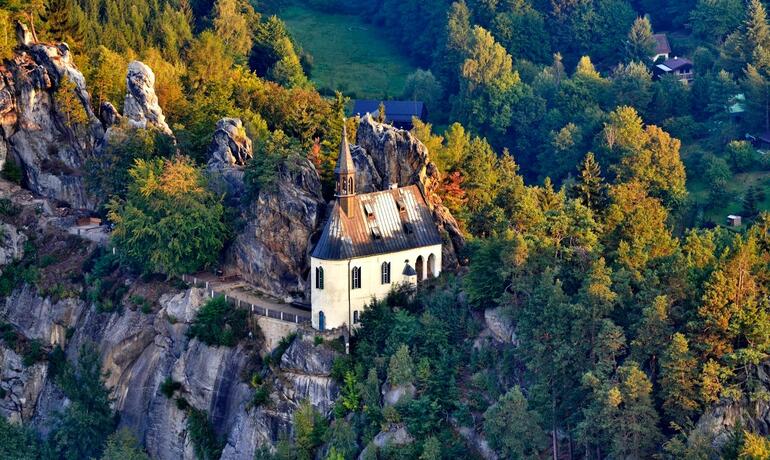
(350, 186)
(420, 268)
(356, 277)
(385, 277)
(356, 317)
(319, 277)
(321, 321)
(431, 266)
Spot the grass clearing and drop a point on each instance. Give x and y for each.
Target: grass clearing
(348, 54)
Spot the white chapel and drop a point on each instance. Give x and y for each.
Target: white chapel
(371, 243)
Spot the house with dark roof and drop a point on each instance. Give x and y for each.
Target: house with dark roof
(397, 113)
(371, 243)
(662, 47)
(681, 68)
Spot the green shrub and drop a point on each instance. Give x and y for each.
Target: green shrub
(57, 360)
(47, 260)
(33, 352)
(11, 171)
(169, 386)
(206, 444)
(261, 395)
(219, 323)
(7, 208)
(182, 404)
(8, 334)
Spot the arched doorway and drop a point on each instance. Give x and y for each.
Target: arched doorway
(321, 321)
(431, 266)
(420, 268)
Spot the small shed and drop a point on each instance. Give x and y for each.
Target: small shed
(88, 221)
(734, 220)
(397, 113)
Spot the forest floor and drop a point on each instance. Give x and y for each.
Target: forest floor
(349, 55)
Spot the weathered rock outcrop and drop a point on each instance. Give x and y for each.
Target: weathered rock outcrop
(40, 133)
(272, 251)
(139, 351)
(229, 151)
(393, 437)
(141, 104)
(230, 144)
(718, 423)
(11, 244)
(388, 155)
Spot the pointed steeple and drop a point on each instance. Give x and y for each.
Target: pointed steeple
(345, 174)
(345, 163)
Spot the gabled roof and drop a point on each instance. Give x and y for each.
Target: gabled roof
(398, 111)
(661, 44)
(379, 223)
(675, 63)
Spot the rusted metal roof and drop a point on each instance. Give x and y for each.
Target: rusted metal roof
(661, 44)
(386, 229)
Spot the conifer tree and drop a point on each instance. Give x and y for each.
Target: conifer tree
(640, 44)
(590, 187)
(678, 377)
(652, 335)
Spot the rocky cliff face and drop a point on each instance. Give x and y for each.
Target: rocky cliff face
(139, 351)
(48, 125)
(38, 131)
(272, 250)
(387, 156)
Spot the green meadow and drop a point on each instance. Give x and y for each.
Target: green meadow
(349, 55)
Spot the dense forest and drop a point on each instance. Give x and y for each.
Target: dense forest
(592, 195)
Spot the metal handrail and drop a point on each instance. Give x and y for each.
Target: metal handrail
(254, 309)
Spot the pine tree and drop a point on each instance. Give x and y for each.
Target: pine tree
(65, 22)
(652, 335)
(401, 367)
(512, 429)
(596, 300)
(751, 202)
(678, 376)
(640, 44)
(631, 415)
(756, 36)
(590, 187)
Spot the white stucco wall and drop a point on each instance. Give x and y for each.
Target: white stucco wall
(333, 298)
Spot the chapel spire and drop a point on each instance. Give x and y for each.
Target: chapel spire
(345, 173)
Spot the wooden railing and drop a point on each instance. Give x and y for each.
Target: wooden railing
(254, 309)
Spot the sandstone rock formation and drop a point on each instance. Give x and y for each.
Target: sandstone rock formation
(36, 130)
(141, 104)
(272, 251)
(388, 156)
(230, 144)
(394, 436)
(11, 244)
(229, 151)
(139, 351)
